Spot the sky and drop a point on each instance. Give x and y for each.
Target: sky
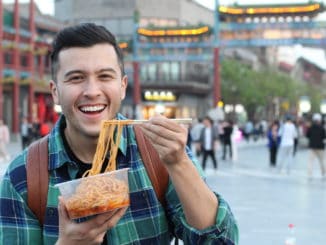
(47, 6)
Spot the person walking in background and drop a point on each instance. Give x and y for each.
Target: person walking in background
(4, 140)
(36, 126)
(195, 135)
(45, 128)
(25, 131)
(236, 137)
(316, 136)
(227, 129)
(208, 141)
(296, 139)
(273, 142)
(248, 130)
(288, 133)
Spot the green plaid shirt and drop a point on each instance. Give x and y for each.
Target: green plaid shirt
(145, 222)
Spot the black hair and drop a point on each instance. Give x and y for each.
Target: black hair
(209, 119)
(82, 35)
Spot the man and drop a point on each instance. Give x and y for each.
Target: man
(208, 140)
(4, 140)
(287, 133)
(89, 84)
(316, 136)
(25, 131)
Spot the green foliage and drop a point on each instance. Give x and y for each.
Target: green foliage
(257, 90)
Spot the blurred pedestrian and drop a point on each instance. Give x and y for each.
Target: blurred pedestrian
(248, 130)
(288, 133)
(236, 137)
(316, 136)
(45, 128)
(4, 140)
(273, 142)
(228, 129)
(195, 135)
(296, 139)
(35, 130)
(208, 141)
(25, 132)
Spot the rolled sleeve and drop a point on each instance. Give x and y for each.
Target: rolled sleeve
(225, 230)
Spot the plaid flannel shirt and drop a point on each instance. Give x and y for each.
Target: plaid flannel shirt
(145, 222)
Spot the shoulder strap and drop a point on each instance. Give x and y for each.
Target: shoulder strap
(38, 177)
(155, 168)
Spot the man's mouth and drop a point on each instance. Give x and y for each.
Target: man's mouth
(92, 109)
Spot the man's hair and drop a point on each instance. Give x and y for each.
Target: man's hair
(82, 35)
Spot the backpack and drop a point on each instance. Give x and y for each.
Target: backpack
(38, 175)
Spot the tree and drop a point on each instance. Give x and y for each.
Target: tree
(257, 91)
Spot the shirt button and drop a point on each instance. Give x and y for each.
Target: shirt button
(50, 212)
(144, 194)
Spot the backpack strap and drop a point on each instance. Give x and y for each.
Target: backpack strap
(155, 168)
(38, 174)
(38, 177)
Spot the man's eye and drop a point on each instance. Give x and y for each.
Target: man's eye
(75, 79)
(106, 77)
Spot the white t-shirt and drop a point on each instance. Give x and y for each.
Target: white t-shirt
(288, 133)
(208, 139)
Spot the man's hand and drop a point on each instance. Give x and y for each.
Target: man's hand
(168, 138)
(88, 232)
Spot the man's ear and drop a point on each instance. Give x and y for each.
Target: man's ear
(54, 92)
(124, 85)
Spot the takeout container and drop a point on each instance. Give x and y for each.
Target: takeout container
(96, 194)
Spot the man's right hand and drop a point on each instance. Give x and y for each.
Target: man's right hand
(88, 232)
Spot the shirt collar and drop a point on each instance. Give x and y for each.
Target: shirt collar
(57, 153)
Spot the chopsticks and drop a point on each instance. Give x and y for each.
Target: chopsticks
(177, 120)
(125, 122)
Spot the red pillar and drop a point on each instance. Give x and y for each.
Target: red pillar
(41, 65)
(16, 61)
(31, 60)
(136, 91)
(217, 84)
(1, 60)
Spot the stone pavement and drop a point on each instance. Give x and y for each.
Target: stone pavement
(265, 201)
(14, 148)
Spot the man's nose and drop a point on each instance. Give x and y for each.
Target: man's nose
(92, 87)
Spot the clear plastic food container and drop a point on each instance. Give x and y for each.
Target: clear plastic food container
(96, 194)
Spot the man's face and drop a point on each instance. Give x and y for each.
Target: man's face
(89, 87)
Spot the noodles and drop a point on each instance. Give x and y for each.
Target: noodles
(97, 195)
(109, 138)
(101, 193)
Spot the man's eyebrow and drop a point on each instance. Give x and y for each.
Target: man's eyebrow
(99, 71)
(107, 70)
(72, 72)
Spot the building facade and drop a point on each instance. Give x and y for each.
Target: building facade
(25, 35)
(172, 78)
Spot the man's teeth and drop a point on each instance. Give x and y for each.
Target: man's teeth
(92, 108)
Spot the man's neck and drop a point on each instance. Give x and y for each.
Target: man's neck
(83, 148)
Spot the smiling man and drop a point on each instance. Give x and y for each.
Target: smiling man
(89, 83)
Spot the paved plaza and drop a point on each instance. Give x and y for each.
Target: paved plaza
(265, 201)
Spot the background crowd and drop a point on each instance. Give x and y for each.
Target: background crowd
(219, 139)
